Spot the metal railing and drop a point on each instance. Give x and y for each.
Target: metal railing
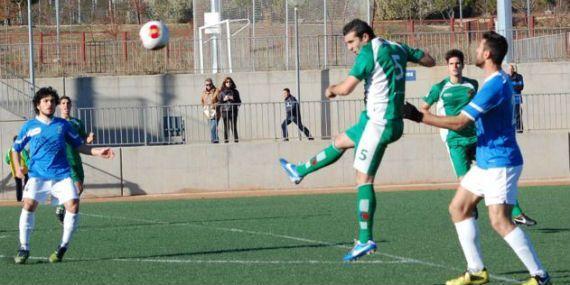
(257, 54)
(16, 94)
(263, 121)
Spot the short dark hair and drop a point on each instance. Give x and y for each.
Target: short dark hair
(64, 97)
(359, 27)
(454, 53)
(43, 93)
(497, 45)
(287, 89)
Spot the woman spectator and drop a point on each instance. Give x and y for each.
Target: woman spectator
(229, 102)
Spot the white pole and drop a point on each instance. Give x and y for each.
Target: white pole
(297, 57)
(528, 13)
(325, 47)
(31, 48)
(79, 11)
(215, 8)
(253, 35)
(286, 35)
(229, 45)
(368, 18)
(461, 13)
(201, 51)
(505, 25)
(57, 38)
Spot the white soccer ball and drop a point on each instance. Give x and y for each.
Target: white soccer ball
(154, 35)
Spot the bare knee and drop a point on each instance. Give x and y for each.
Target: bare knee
(501, 223)
(459, 211)
(363, 178)
(72, 206)
(30, 205)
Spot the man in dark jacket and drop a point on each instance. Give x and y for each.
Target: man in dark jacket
(293, 115)
(518, 85)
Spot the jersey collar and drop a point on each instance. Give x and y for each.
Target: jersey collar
(47, 122)
(493, 75)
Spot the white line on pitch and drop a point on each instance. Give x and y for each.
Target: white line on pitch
(399, 258)
(253, 262)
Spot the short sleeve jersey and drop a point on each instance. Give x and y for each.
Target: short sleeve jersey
(382, 66)
(450, 98)
(73, 156)
(47, 147)
(492, 109)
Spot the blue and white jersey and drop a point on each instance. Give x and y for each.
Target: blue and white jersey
(492, 109)
(47, 140)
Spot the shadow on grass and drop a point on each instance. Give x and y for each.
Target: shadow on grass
(550, 230)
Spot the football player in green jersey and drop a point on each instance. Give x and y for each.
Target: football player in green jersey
(73, 156)
(382, 66)
(450, 96)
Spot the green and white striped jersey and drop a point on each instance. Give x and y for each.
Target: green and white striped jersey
(382, 66)
(450, 98)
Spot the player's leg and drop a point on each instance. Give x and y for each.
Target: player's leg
(466, 198)
(500, 201)
(34, 192)
(368, 156)
(521, 218)
(462, 156)
(324, 158)
(284, 125)
(64, 190)
(19, 188)
(329, 155)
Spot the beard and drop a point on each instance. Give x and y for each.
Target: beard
(479, 63)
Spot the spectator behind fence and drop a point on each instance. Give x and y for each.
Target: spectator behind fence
(292, 110)
(518, 85)
(23, 165)
(209, 101)
(229, 102)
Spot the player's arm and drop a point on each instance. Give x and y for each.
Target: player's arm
(419, 56)
(426, 60)
(17, 167)
(455, 123)
(344, 88)
(17, 147)
(104, 152)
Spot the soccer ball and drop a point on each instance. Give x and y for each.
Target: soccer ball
(154, 35)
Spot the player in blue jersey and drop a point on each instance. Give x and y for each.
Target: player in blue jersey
(499, 166)
(49, 170)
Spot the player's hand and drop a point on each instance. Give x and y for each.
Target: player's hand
(90, 138)
(107, 152)
(329, 94)
(410, 112)
(19, 173)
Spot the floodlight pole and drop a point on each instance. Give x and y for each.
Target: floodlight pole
(31, 48)
(461, 13)
(215, 8)
(505, 25)
(325, 42)
(286, 35)
(297, 57)
(253, 36)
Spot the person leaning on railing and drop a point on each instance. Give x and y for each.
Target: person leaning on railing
(209, 101)
(229, 102)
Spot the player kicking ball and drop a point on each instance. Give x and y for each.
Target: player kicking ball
(73, 156)
(450, 96)
(49, 170)
(499, 166)
(382, 65)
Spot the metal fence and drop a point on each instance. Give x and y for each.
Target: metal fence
(263, 121)
(16, 94)
(260, 53)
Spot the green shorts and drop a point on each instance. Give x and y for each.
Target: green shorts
(77, 174)
(370, 142)
(461, 157)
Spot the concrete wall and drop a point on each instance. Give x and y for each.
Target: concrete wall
(173, 89)
(229, 167)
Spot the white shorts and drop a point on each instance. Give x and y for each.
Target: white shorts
(496, 185)
(40, 189)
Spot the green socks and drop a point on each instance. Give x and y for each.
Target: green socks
(327, 156)
(365, 207)
(517, 211)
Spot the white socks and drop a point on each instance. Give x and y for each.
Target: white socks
(468, 234)
(27, 221)
(69, 225)
(518, 241)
